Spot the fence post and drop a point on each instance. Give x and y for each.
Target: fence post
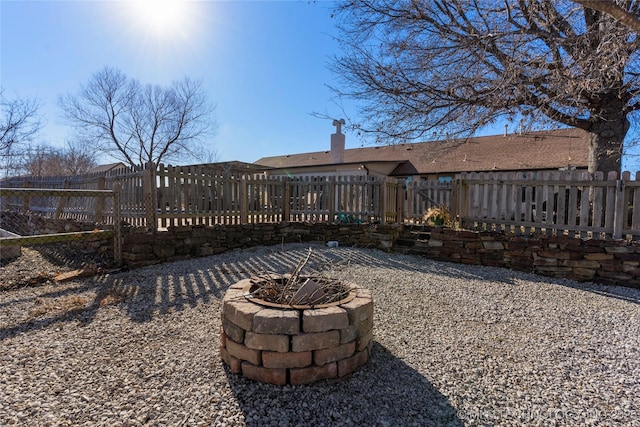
(332, 198)
(635, 213)
(384, 197)
(454, 201)
(400, 196)
(407, 207)
(26, 201)
(620, 212)
(117, 224)
(150, 196)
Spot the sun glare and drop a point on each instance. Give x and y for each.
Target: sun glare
(162, 18)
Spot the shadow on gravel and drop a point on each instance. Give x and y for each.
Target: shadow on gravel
(73, 256)
(631, 295)
(384, 392)
(148, 292)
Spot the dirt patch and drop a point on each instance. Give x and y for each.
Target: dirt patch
(42, 263)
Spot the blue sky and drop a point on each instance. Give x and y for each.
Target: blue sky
(263, 63)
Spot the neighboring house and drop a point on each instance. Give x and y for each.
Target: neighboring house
(560, 149)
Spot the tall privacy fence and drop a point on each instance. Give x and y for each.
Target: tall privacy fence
(571, 203)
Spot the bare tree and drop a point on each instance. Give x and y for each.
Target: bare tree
(137, 123)
(37, 159)
(18, 122)
(77, 158)
(615, 10)
(419, 66)
(45, 160)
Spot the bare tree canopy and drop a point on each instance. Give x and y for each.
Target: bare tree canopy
(44, 160)
(420, 66)
(138, 123)
(18, 122)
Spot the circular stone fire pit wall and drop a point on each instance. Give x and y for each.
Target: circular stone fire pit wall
(295, 346)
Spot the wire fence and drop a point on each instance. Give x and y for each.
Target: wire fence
(32, 216)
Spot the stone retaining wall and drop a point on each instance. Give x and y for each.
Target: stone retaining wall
(176, 243)
(295, 346)
(611, 262)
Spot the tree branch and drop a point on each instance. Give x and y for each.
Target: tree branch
(612, 9)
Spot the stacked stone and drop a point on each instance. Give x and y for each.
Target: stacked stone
(295, 346)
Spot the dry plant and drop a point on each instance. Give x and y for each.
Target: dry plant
(438, 215)
(296, 288)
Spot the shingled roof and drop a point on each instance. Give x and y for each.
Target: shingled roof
(529, 151)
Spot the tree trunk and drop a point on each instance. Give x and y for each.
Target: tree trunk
(605, 145)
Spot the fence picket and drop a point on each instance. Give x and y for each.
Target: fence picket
(584, 205)
(610, 203)
(597, 197)
(635, 212)
(573, 203)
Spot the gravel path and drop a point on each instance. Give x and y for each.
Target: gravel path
(454, 345)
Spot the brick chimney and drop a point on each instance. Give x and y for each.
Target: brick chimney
(337, 143)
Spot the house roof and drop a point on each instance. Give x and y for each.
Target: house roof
(531, 151)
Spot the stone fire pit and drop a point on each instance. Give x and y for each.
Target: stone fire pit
(291, 343)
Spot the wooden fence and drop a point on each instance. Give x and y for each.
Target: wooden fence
(99, 210)
(174, 195)
(422, 195)
(575, 203)
(201, 195)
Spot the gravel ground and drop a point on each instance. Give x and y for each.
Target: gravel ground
(454, 345)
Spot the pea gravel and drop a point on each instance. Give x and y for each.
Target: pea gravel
(454, 345)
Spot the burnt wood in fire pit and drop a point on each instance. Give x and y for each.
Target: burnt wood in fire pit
(298, 291)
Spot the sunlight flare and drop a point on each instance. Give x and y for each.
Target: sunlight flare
(163, 18)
